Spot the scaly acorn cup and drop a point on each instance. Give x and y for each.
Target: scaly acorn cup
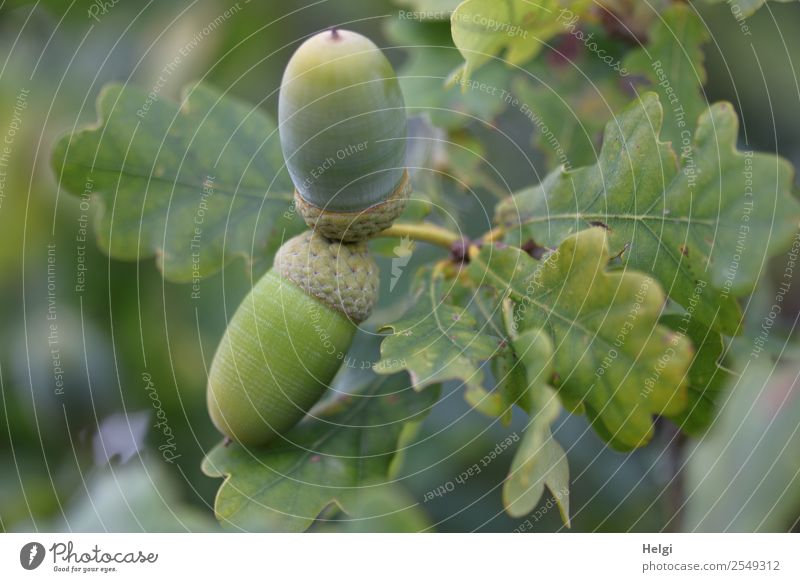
(343, 133)
(289, 337)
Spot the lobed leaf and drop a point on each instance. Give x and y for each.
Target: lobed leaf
(482, 29)
(438, 340)
(703, 229)
(341, 450)
(539, 461)
(194, 183)
(610, 355)
(707, 381)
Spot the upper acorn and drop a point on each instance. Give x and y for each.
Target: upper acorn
(343, 133)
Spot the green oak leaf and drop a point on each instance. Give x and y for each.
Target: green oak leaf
(539, 461)
(194, 183)
(747, 7)
(342, 448)
(702, 229)
(510, 387)
(482, 29)
(438, 340)
(610, 354)
(533, 349)
(510, 383)
(431, 59)
(707, 381)
(673, 63)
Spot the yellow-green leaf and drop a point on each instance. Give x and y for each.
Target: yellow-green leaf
(483, 29)
(610, 353)
(438, 340)
(539, 461)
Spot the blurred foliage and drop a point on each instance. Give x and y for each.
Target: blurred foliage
(139, 496)
(743, 476)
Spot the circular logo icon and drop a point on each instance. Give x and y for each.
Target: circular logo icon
(31, 555)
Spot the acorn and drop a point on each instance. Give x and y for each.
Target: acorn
(342, 125)
(289, 337)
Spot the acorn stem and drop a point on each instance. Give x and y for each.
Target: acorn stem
(424, 232)
(494, 235)
(434, 234)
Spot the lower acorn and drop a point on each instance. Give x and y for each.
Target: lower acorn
(289, 337)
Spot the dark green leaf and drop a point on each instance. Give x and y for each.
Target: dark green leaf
(346, 446)
(194, 183)
(703, 229)
(707, 380)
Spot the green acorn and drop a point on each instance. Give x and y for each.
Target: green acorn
(289, 337)
(343, 133)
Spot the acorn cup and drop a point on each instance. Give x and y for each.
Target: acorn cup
(343, 134)
(289, 337)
